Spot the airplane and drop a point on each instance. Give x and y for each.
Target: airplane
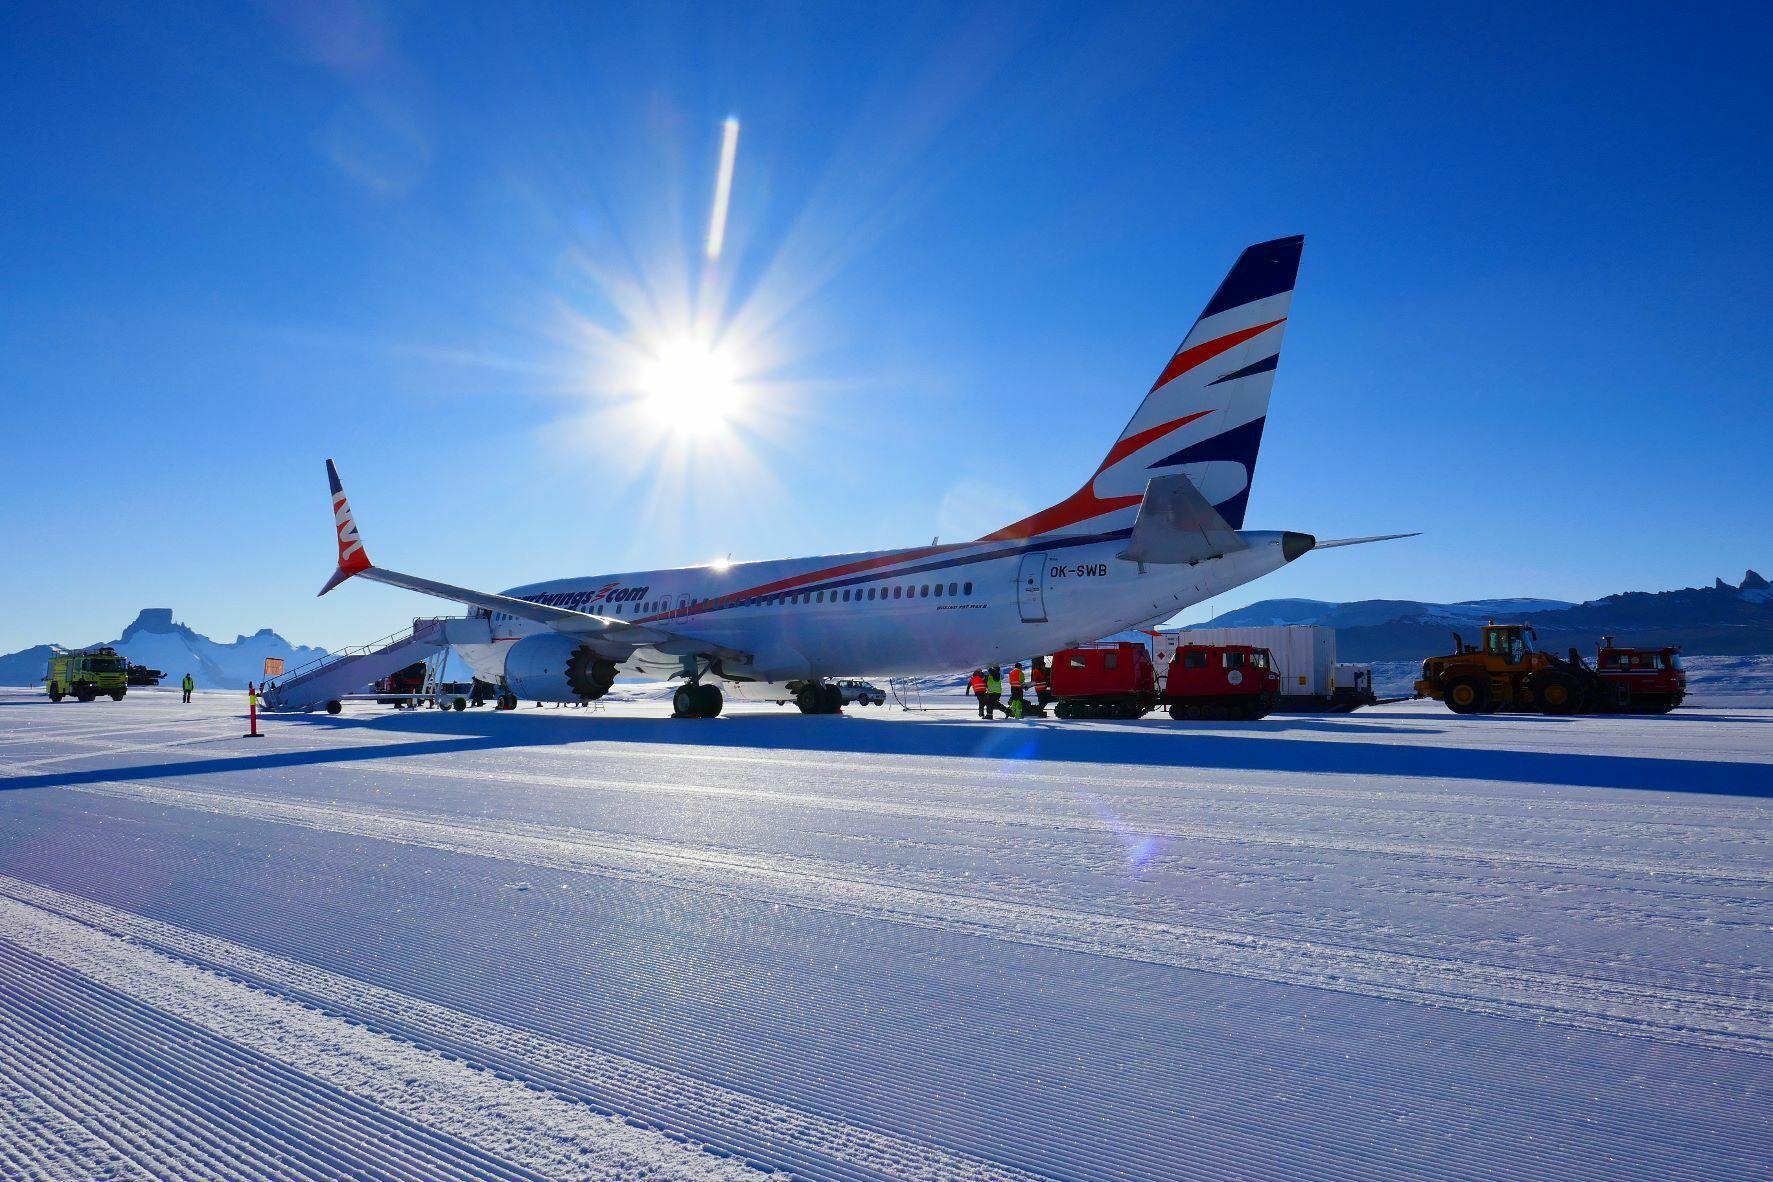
(1156, 528)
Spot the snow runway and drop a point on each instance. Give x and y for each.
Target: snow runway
(577, 944)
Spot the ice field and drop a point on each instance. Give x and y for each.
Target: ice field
(605, 944)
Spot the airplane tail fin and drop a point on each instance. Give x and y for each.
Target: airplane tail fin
(353, 559)
(1203, 417)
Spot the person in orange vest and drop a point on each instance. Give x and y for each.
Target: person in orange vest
(1018, 701)
(1043, 690)
(976, 687)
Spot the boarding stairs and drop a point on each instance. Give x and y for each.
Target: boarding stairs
(339, 674)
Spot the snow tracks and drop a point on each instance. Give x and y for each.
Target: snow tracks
(134, 1048)
(928, 899)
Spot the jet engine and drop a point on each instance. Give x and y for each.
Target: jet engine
(555, 668)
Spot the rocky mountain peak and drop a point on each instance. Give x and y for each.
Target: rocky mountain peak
(152, 620)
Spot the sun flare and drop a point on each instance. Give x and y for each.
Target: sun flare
(691, 387)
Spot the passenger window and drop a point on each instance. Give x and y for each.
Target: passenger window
(819, 597)
(966, 588)
(871, 592)
(896, 591)
(938, 590)
(924, 593)
(951, 588)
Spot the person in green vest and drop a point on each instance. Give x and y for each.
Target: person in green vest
(187, 685)
(994, 693)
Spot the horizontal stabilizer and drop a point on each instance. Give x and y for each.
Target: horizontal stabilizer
(1176, 524)
(1363, 541)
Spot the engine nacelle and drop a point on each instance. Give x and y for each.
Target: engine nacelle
(556, 668)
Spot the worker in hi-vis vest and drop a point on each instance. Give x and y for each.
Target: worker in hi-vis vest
(187, 685)
(1018, 701)
(994, 692)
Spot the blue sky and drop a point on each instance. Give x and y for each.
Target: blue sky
(235, 240)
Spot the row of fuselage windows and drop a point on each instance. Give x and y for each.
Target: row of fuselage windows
(901, 591)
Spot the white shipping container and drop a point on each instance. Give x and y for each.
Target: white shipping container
(1354, 677)
(1304, 656)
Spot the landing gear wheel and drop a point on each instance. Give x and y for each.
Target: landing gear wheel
(831, 698)
(808, 698)
(1468, 695)
(459, 704)
(683, 702)
(334, 707)
(709, 700)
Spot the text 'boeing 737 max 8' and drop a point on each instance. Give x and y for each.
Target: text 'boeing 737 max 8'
(1156, 528)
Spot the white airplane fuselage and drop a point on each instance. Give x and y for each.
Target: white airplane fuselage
(889, 612)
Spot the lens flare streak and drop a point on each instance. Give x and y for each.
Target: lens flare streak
(723, 188)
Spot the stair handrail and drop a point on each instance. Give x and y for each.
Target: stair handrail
(325, 660)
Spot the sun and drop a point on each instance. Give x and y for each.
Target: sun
(690, 387)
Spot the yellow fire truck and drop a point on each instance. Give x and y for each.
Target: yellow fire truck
(87, 674)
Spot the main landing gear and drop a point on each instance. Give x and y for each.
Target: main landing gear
(697, 700)
(818, 698)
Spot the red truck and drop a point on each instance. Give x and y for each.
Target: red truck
(1639, 680)
(1118, 680)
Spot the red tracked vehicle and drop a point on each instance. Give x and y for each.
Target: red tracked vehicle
(1221, 681)
(1118, 680)
(1108, 680)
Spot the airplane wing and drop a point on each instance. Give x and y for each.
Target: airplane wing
(354, 562)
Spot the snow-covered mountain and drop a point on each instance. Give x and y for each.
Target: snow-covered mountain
(1721, 619)
(1366, 612)
(154, 639)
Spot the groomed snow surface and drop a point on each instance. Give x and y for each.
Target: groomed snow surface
(605, 944)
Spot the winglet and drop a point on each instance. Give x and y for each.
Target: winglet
(352, 557)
